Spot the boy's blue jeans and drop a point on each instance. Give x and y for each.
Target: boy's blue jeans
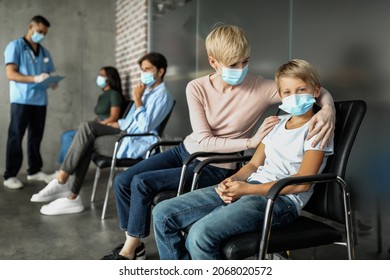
(213, 221)
(136, 187)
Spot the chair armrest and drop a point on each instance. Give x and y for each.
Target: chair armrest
(279, 186)
(196, 155)
(159, 144)
(221, 159)
(137, 135)
(192, 157)
(312, 179)
(216, 159)
(118, 142)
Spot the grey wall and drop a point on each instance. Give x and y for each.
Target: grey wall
(180, 35)
(174, 35)
(81, 39)
(346, 40)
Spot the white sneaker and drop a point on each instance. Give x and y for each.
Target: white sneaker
(13, 183)
(40, 176)
(53, 175)
(52, 191)
(63, 206)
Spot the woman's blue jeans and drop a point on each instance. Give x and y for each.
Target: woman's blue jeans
(136, 187)
(213, 221)
(66, 140)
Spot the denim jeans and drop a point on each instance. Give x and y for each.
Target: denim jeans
(213, 221)
(66, 140)
(136, 187)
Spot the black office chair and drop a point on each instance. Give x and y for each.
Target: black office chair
(330, 201)
(102, 162)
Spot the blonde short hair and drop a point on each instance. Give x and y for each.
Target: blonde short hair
(298, 68)
(228, 44)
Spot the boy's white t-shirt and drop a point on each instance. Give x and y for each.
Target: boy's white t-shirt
(284, 149)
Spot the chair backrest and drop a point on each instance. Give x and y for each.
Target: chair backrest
(327, 200)
(163, 124)
(126, 107)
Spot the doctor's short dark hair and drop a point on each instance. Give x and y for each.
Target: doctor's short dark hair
(157, 59)
(41, 19)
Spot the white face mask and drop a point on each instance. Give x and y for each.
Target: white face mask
(234, 76)
(101, 81)
(147, 78)
(297, 104)
(37, 37)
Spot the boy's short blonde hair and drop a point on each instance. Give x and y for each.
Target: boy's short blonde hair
(228, 44)
(301, 69)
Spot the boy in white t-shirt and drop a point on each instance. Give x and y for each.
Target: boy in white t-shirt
(238, 203)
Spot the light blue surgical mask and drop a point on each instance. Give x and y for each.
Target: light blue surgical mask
(101, 81)
(37, 37)
(297, 104)
(147, 78)
(234, 76)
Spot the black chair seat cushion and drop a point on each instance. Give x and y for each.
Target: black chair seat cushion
(303, 233)
(104, 161)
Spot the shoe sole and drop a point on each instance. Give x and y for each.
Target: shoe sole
(50, 198)
(13, 187)
(140, 252)
(73, 210)
(141, 257)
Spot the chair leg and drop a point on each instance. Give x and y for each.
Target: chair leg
(95, 182)
(378, 226)
(194, 181)
(105, 203)
(109, 185)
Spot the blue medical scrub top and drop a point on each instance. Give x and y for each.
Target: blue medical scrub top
(19, 52)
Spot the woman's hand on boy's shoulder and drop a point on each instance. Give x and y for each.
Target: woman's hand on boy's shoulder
(322, 125)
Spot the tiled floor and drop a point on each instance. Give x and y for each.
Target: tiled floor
(26, 234)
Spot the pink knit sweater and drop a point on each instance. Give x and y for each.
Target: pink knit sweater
(222, 122)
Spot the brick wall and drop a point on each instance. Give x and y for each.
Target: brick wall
(131, 39)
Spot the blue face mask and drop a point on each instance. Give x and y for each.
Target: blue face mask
(147, 78)
(37, 37)
(297, 104)
(234, 76)
(101, 81)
